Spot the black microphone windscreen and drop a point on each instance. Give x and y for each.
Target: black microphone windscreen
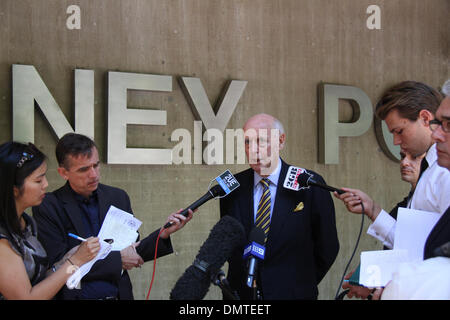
(224, 237)
(303, 180)
(192, 285)
(217, 191)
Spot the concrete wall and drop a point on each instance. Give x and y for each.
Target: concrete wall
(283, 48)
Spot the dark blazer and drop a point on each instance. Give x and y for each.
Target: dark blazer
(301, 246)
(60, 214)
(439, 235)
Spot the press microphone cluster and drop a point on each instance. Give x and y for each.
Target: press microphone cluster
(227, 235)
(226, 184)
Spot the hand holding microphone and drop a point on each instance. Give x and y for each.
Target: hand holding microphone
(353, 198)
(175, 222)
(226, 184)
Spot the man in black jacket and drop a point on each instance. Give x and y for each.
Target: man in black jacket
(300, 231)
(79, 207)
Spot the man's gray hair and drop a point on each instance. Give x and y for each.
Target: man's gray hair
(278, 125)
(446, 88)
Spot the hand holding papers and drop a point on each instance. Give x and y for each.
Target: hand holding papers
(411, 232)
(120, 226)
(75, 278)
(377, 267)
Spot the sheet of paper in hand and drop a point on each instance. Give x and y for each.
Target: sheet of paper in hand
(120, 226)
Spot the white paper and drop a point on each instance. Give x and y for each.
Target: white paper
(412, 230)
(377, 267)
(120, 226)
(75, 278)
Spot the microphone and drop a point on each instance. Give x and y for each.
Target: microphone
(222, 282)
(224, 237)
(442, 251)
(255, 250)
(299, 178)
(227, 183)
(304, 180)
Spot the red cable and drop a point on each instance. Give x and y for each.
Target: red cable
(154, 263)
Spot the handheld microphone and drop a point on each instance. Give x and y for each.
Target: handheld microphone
(299, 178)
(442, 251)
(223, 239)
(254, 251)
(305, 180)
(227, 183)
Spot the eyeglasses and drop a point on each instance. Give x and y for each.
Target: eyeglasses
(444, 124)
(26, 156)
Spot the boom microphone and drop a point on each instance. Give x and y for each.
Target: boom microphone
(227, 183)
(299, 178)
(224, 237)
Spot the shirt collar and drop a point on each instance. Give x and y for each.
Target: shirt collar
(273, 177)
(431, 155)
(80, 198)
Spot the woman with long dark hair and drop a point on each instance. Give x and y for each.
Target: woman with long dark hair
(23, 260)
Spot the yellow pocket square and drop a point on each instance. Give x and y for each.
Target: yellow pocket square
(299, 207)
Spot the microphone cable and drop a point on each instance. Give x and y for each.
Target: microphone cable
(154, 263)
(341, 296)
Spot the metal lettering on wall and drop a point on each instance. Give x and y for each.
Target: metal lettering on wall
(28, 88)
(202, 107)
(215, 124)
(330, 129)
(119, 116)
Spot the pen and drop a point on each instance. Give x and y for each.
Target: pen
(76, 237)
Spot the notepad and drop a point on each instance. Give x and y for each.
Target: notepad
(78, 273)
(120, 226)
(411, 232)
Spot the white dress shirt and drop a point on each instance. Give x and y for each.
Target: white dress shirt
(258, 189)
(432, 194)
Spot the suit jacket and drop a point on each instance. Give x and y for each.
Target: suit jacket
(301, 246)
(439, 235)
(60, 214)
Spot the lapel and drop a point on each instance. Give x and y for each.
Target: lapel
(283, 202)
(440, 227)
(73, 210)
(246, 201)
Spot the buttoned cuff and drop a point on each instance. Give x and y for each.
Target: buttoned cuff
(383, 229)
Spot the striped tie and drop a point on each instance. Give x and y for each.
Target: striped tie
(263, 214)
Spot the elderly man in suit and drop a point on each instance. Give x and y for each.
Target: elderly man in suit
(79, 207)
(299, 226)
